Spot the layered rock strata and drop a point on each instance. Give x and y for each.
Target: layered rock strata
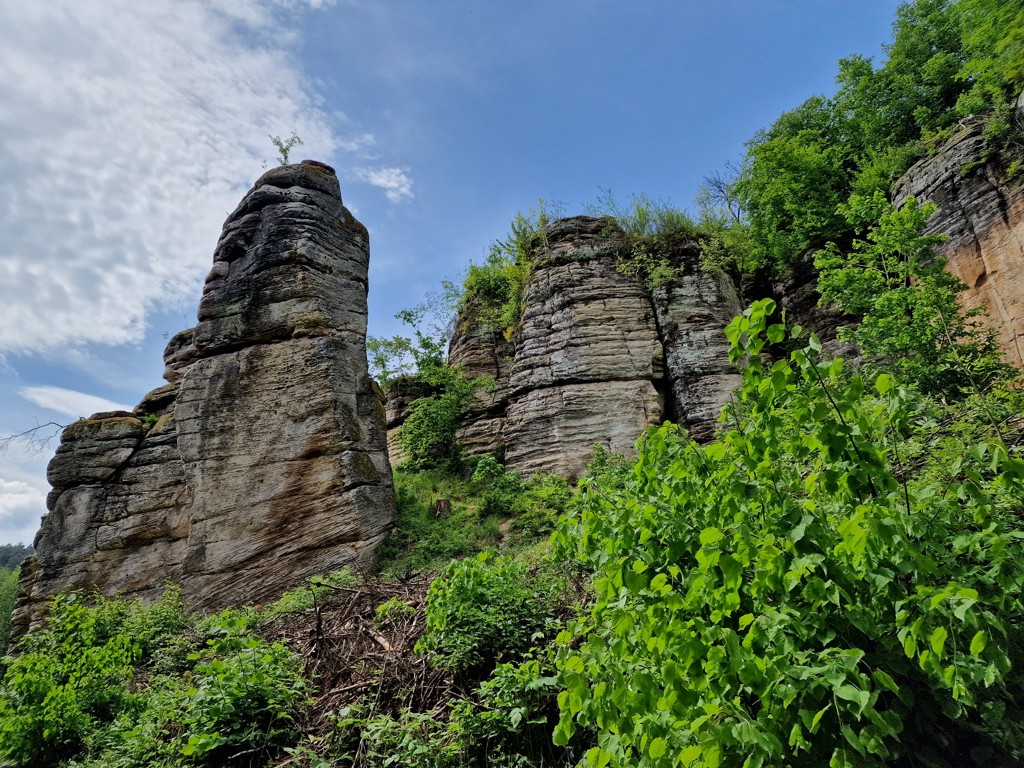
(587, 354)
(692, 312)
(263, 460)
(596, 357)
(980, 206)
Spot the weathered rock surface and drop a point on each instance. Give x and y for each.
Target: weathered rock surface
(982, 210)
(797, 293)
(586, 357)
(481, 351)
(263, 460)
(596, 358)
(692, 313)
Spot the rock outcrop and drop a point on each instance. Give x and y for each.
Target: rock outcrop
(980, 206)
(586, 355)
(263, 460)
(692, 312)
(596, 357)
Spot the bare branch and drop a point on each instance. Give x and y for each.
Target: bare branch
(37, 439)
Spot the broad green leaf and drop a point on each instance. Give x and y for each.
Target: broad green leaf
(657, 748)
(978, 643)
(711, 536)
(938, 640)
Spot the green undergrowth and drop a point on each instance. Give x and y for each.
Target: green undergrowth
(836, 580)
(8, 594)
(116, 683)
(444, 515)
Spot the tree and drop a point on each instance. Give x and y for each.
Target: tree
(910, 316)
(794, 594)
(285, 146)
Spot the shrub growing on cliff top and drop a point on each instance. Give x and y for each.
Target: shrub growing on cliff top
(795, 594)
(652, 230)
(492, 292)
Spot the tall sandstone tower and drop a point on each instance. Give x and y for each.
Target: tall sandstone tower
(263, 459)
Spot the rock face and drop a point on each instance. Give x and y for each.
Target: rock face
(263, 460)
(596, 357)
(692, 313)
(981, 207)
(483, 352)
(586, 356)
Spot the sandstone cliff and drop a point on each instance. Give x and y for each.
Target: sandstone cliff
(980, 205)
(263, 460)
(596, 357)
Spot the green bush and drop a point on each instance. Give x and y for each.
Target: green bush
(484, 610)
(797, 593)
(492, 292)
(428, 434)
(72, 678)
(653, 231)
(121, 684)
(907, 303)
(8, 595)
(244, 694)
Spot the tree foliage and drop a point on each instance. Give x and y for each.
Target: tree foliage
(947, 60)
(794, 593)
(8, 595)
(907, 302)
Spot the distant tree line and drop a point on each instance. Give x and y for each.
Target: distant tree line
(13, 555)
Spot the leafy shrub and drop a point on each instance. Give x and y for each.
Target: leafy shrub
(795, 593)
(392, 613)
(492, 292)
(428, 433)
(534, 504)
(72, 677)
(244, 693)
(483, 610)
(397, 357)
(512, 715)
(907, 302)
(653, 231)
(8, 595)
(67, 694)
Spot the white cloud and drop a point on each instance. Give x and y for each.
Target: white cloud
(21, 506)
(69, 402)
(394, 181)
(130, 130)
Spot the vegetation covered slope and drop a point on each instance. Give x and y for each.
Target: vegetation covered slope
(835, 580)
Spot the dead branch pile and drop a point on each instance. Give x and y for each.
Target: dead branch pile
(351, 655)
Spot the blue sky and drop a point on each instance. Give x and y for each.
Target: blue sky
(132, 129)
